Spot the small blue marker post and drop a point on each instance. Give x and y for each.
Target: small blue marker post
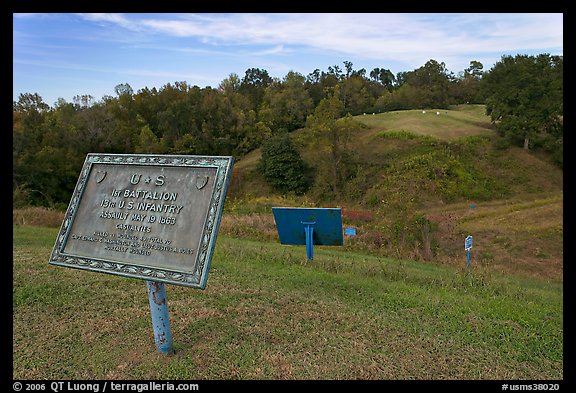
(468, 247)
(160, 321)
(309, 230)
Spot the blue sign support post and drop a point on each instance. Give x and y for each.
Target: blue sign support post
(309, 230)
(160, 320)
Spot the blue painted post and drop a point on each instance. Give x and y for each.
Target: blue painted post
(309, 229)
(160, 321)
(468, 265)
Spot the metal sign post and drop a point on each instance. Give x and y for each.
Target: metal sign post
(160, 319)
(309, 230)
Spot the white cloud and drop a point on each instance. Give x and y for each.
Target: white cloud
(399, 36)
(117, 19)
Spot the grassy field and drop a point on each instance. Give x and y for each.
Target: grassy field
(447, 124)
(267, 314)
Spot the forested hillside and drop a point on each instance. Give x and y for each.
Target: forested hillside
(522, 94)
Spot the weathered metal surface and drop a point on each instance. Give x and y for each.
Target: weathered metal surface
(160, 319)
(309, 226)
(154, 217)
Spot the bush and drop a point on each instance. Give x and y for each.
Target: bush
(20, 197)
(38, 216)
(282, 167)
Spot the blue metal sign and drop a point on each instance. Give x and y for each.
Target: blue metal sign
(309, 226)
(350, 231)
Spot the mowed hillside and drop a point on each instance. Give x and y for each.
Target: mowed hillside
(457, 122)
(418, 182)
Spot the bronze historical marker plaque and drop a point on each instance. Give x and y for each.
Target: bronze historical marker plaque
(153, 217)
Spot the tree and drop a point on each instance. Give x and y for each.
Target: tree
(425, 87)
(84, 101)
(28, 103)
(466, 87)
(286, 104)
(314, 86)
(384, 77)
(123, 89)
(475, 69)
(148, 143)
(348, 65)
(355, 93)
(431, 81)
(254, 85)
(231, 84)
(326, 128)
(524, 97)
(336, 71)
(282, 167)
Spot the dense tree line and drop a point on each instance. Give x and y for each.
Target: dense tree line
(51, 142)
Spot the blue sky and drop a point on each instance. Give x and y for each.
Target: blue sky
(67, 54)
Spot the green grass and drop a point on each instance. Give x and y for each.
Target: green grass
(268, 314)
(451, 124)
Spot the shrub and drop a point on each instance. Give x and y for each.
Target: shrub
(282, 167)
